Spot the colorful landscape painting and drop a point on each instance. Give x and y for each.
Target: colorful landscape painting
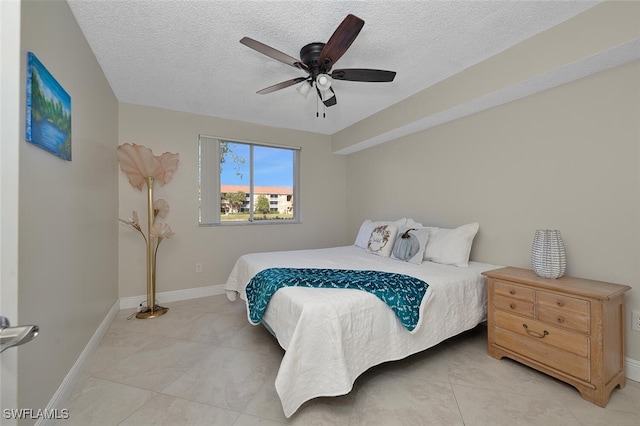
(48, 110)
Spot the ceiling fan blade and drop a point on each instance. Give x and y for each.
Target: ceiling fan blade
(340, 41)
(273, 53)
(328, 99)
(331, 101)
(281, 85)
(362, 74)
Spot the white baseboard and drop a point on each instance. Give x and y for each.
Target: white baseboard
(633, 369)
(173, 296)
(61, 396)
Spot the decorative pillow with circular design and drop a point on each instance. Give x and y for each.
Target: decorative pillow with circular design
(382, 239)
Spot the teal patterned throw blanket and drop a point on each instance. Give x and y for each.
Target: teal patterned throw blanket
(402, 293)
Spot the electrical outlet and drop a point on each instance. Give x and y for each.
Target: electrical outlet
(198, 267)
(635, 324)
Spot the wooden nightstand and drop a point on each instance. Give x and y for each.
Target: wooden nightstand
(570, 328)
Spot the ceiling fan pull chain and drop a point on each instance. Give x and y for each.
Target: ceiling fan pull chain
(318, 97)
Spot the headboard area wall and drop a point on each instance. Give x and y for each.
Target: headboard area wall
(567, 158)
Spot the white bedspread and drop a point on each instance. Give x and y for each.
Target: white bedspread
(331, 336)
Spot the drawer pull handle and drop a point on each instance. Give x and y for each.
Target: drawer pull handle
(560, 303)
(533, 333)
(512, 305)
(560, 320)
(512, 292)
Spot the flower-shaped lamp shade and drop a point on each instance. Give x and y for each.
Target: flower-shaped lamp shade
(138, 163)
(169, 164)
(160, 208)
(161, 230)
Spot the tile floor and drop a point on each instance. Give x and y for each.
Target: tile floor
(204, 364)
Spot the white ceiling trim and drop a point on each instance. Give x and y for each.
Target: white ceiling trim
(607, 59)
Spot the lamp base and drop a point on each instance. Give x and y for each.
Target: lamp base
(152, 313)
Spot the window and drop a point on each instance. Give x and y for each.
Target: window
(247, 182)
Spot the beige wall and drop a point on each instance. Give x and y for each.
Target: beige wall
(567, 158)
(68, 235)
(323, 201)
(591, 41)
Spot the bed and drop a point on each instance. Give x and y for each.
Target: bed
(331, 336)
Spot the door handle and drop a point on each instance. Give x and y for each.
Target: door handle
(15, 336)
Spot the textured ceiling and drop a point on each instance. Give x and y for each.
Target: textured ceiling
(185, 55)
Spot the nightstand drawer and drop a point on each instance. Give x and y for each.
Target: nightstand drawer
(547, 334)
(551, 356)
(563, 302)
(513, 291)
(564, 319)
(512, 305)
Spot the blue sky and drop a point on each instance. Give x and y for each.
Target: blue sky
(272, 166)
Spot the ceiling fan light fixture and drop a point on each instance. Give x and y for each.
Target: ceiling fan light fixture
(323, 82)
(304, 88)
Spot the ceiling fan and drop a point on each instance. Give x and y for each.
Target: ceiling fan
(317, 59)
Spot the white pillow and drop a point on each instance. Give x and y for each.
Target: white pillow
(362, 239)
(410, 223)
(451, 246)
(411, 249)
(382, 239)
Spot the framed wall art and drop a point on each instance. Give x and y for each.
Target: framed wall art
(48, 110)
